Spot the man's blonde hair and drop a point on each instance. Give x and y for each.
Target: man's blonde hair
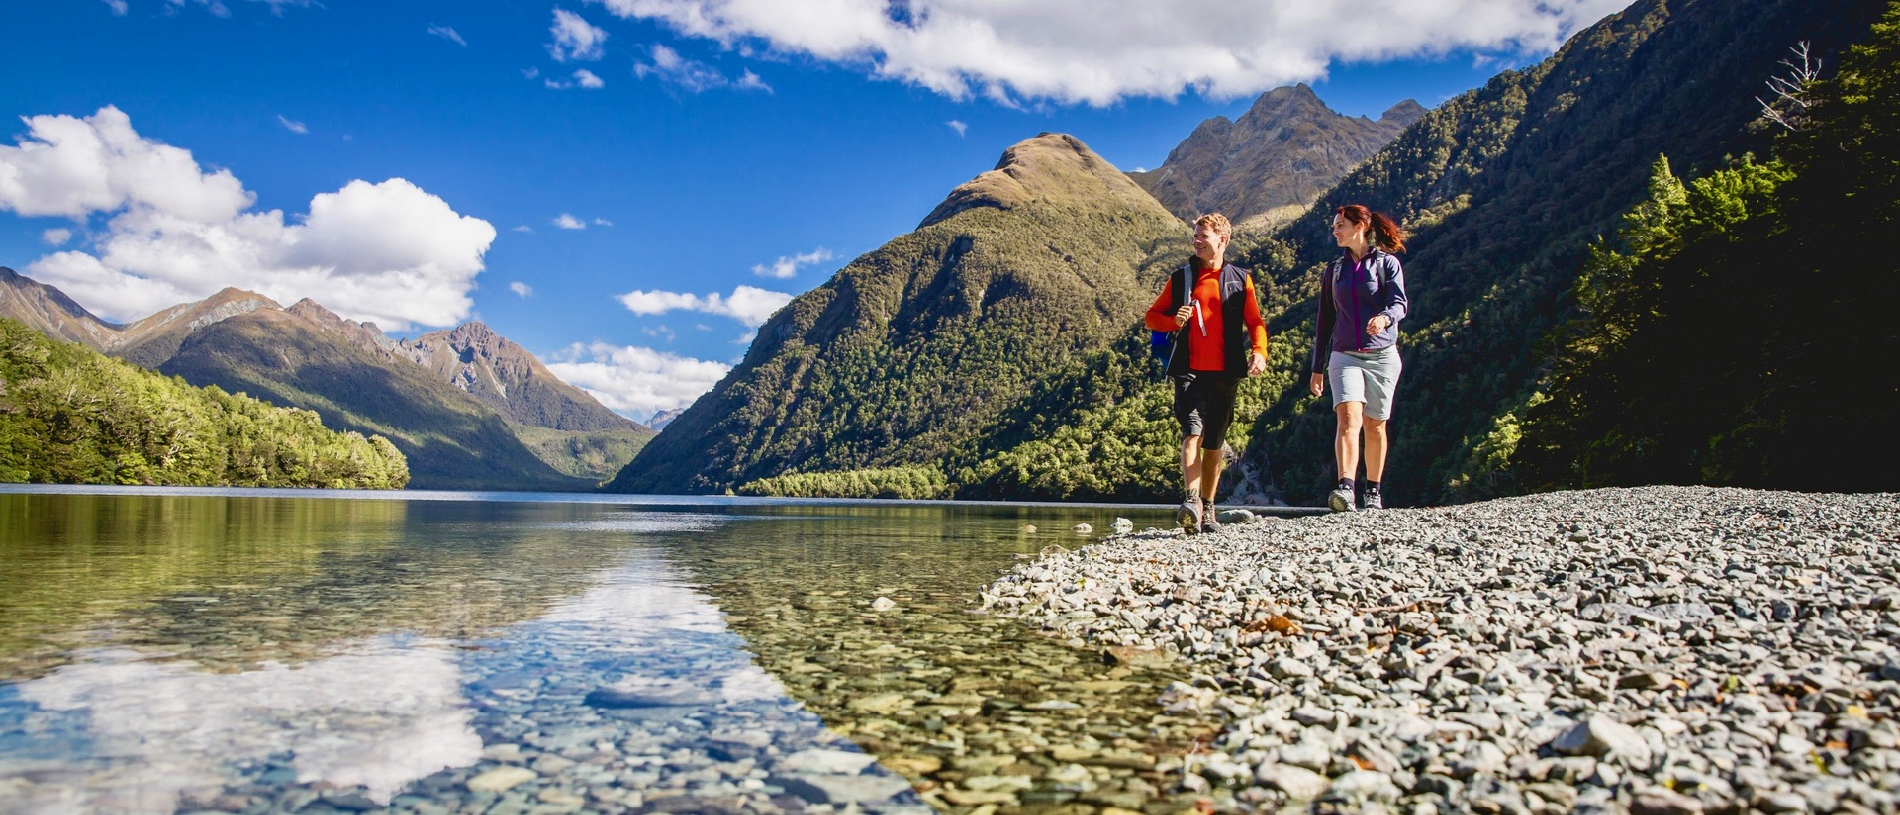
(1216, 222)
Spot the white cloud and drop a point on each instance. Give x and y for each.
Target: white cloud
(523, 229)
(295, 127)
(1099, 51)
(692, 75)
(56, 237)
(660, 331)
(449, 34)
(73, 167)
(587, 79)
(388, 252)
(749, 305)
(119, 8)
(567, 221)
(636, 381)
(530, 73)
(603, 222)
(786, 266)
(575, 38)
(959, 127)
(216, 7)
(521, 289)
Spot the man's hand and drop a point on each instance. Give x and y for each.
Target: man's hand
(1377, 324)
(1256, 364)
(1318, 385)
(1181, 317)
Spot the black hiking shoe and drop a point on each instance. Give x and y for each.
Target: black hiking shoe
(1189, 515)
(1209, 517)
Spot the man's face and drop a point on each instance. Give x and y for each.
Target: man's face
(1208, 244)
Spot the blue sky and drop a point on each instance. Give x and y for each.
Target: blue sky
(625, 187)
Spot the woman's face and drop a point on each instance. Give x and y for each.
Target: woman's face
(1345, 231)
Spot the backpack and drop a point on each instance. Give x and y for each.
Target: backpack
(1161, 343)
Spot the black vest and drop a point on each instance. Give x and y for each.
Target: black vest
(1233, 319)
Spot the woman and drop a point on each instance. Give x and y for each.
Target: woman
(1355, 345)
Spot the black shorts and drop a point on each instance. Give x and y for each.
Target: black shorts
(1204, 405)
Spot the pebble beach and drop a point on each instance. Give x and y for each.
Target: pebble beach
(1656, 650)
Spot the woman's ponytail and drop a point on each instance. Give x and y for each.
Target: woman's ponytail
(1384, 233)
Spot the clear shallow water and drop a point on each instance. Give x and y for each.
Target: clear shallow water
(275, 651)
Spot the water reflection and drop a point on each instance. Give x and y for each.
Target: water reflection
(294, 653)
(156, 735)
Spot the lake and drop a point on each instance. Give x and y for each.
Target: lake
(167, 650)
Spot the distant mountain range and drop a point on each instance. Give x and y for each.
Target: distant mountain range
(1269, 164)
(469, 408)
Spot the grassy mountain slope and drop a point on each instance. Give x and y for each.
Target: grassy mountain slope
(49, 311)
(451, 441)
(911, 353)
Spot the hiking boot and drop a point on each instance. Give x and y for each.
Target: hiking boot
(1373, 501)
(1340, 500)
(1189, 515)
(1209, 516)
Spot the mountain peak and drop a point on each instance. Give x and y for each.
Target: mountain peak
(1403, 114)
(1273, 160)
(1052, 167)
(1285, 100)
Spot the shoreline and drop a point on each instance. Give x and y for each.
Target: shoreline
(1658, 649)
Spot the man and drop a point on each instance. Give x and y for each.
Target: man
(1218, 338)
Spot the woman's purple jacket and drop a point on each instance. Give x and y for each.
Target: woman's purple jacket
(1350, 295)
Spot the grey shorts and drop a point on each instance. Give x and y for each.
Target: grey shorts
(1366, 377)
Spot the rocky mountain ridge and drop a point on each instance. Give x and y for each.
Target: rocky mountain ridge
(1273, 161)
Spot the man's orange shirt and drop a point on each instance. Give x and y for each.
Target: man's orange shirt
(1203, 330)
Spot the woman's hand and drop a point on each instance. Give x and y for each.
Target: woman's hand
(1377, 324)
(1318, 385)
(1256, 364)
(1181, 317)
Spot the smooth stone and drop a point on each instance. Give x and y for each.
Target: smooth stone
(501, 779)
(1600, 736)
(1664, 802)
(1124, 526)
(612, 699)
(842, 790)
(1311, 755)
(1299, 783)
(1083, 528)
(1360, 786)
(826, 761)
(883, 604)
(881, 703)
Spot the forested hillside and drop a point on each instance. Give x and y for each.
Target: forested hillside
(912, 353)
(70, 415)
(1505, 188)
(1734, 332)
(305, 356)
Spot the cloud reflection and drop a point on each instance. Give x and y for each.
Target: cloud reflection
(376, 720)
